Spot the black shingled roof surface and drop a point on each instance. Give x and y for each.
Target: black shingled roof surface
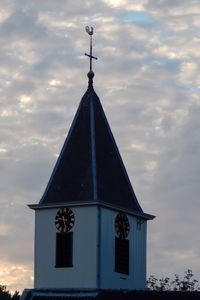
(90, 167)
(118, 295)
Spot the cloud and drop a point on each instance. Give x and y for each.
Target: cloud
(127, 4)
(147, 77)
(17, 275)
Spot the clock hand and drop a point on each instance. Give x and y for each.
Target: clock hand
(60, 219)
(64, 222)
(65, 227)
(124, 228)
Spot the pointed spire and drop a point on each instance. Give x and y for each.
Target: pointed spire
(90, 170)
(90, 74)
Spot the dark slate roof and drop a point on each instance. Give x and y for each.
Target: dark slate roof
(89, 168)
(110, 295)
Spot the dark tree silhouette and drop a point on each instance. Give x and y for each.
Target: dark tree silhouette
(6, 295)
(188, 283)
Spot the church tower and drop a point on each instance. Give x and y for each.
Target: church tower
(90, 230)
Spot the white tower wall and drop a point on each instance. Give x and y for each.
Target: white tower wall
(83, 273)
(109, 279)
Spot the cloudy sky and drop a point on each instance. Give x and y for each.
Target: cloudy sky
(148, 80)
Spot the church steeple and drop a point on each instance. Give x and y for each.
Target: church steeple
(90, 230)
(89, 169)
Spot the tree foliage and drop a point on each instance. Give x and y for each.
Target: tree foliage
(187, 283)
(6, 295)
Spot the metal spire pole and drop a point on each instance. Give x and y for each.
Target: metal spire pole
(90, 31)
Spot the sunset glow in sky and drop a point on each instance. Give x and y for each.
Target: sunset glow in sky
(148, 80)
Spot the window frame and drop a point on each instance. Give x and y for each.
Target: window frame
(64, 259)
(122, 260)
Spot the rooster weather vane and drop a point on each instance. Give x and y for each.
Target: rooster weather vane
(90, 31)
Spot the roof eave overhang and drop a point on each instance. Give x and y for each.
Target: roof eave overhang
(102, 204)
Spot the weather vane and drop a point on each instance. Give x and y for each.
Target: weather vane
(90, 31)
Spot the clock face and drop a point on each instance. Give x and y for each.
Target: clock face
(122, 226)
(64, 220)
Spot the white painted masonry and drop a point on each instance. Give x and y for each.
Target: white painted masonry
(93, 251)
(137, 251)
(83, 273)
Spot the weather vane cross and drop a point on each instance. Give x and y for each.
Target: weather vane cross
(90, 31)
